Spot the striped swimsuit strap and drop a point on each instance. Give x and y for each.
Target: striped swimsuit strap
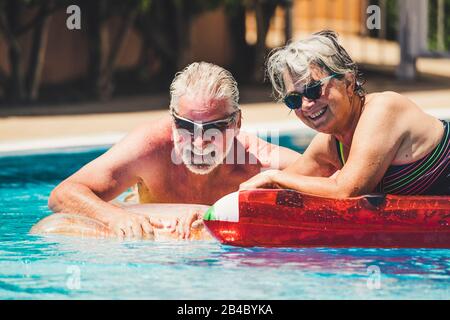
(340, 149)
(415, 177)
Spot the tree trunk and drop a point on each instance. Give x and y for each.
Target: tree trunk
(37, 55)
(264, 13)
(288, 21)
(97, 45)
(103, 53)
(440, 33)
(158, 35)
(10, 22)
(23, 84)
(164, 37)
(17, 92)
(113, 54)
(183, 27)
(242, 53)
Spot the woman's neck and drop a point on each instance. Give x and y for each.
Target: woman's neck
(346, 135)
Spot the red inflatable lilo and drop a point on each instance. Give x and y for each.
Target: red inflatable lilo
(286, 218)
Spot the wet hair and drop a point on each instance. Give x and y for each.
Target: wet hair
(204, 80)
(321, 49)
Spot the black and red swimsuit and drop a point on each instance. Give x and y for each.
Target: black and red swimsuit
(427, 176)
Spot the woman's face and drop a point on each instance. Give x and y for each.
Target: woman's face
(331, 112)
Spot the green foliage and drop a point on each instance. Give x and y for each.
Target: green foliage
(145, 5)
(391, 19)
(232, 6)
(194, 7)
(432, 26)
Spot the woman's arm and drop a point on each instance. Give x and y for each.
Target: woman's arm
(318, 160)
(376, 140)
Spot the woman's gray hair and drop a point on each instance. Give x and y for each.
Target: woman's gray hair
(204, 80)
(321, 49)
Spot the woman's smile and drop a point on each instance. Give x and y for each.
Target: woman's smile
(315, 118)
(317, 115)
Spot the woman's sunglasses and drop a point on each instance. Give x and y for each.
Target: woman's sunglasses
(189, 125)
(312, 91)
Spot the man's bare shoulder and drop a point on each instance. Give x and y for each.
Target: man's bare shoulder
(251, 142)
(151, 137)
(268, 155)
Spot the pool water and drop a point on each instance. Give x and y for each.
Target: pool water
(57, 267)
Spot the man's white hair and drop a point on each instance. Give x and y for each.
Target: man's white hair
(205, 81)
(321, 49)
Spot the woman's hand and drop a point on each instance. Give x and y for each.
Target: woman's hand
(262, 180)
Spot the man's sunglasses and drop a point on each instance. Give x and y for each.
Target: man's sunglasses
(312, 91)
(189, 125)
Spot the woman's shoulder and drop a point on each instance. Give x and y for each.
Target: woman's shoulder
(385, 112)
(387, 99)
(388, 104)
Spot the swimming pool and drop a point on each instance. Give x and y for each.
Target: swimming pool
(57, 267)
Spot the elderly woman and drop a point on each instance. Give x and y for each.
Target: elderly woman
(379, 142)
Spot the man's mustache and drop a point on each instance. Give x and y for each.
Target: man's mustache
(210, 155)
(209, 149)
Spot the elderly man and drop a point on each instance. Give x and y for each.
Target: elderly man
(195, 155)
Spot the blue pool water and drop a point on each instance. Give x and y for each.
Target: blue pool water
(56, 267)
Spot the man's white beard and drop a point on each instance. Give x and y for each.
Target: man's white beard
(192, 157)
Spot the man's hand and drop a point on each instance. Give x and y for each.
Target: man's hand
(131, 225)
(193, 220)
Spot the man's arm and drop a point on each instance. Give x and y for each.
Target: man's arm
(88, 191)
(270, 156)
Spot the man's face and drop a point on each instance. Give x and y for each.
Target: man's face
(203, 150)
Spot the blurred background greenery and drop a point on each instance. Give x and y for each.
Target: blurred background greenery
(133, 47)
